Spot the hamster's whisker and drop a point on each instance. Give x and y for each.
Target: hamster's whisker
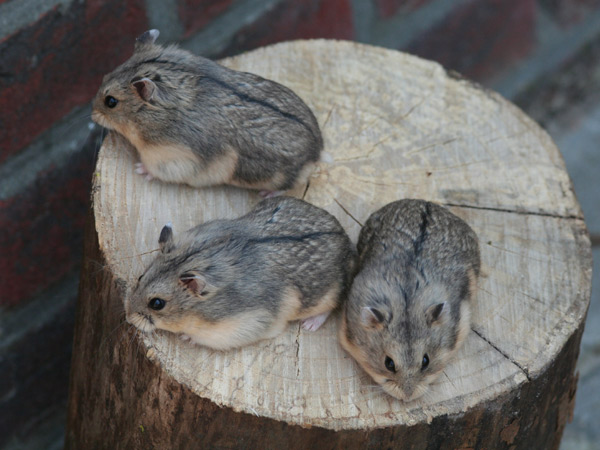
(122, 322)
(84, 116)
(139, 343)
(101, 267)
(75, 121)
(126, 333)
(138, 254)
(374, 387)
(133, 336)
(112, 332)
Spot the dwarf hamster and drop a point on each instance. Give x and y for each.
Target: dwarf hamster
(196, 122)
(228, 283)
(408, 309)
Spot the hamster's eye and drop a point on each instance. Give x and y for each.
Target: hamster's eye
(110, 101)
(389, 364)
(156, 304)
(425, 362)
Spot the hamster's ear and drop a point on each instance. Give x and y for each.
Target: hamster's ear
(165, 240)
(437, 313)
(195, 283)
(145, 88)
(146, 38)
(371, 317)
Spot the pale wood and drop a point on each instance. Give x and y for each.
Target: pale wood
(396, 127)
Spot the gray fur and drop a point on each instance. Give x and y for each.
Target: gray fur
(413, 256)
(248, 264)
(212, 110)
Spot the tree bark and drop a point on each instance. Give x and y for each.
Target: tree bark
(395, 127)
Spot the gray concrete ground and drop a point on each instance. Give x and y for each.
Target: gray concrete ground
(578, 137)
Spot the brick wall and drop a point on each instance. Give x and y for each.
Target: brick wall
(53, 54)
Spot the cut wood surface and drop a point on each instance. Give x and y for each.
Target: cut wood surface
(395, 126)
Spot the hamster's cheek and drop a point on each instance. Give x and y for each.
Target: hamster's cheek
(359, 354)
(379, 379)
(169, 325)
(100, 119)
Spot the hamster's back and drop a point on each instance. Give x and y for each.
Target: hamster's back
(303, 243)
(424, 233)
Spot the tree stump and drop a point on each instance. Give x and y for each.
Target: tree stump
(396, 126)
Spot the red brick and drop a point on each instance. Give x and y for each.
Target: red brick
(57, 63)
(482, 38)
(389, 8)
(196, 14)
(42, 228)
(296, 19)
(569, 12)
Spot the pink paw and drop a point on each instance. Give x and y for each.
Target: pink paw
(185, 338)
(140, 169)
(269, 194)
(315, 322)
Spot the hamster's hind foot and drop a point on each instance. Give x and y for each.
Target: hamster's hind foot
(185, 338)
(140, 169)
(269, 194)
(315, 322)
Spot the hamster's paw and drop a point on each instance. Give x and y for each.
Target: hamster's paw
(315, 322)
(326, 158)
(185, 338)
(269, 194)
(140, 169)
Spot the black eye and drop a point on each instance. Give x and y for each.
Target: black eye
(110, 101)
(425, 362)
(156, 304)
(389, 364)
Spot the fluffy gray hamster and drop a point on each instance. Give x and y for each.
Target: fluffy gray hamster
(196, 122)
(228, 283)
(408, 309)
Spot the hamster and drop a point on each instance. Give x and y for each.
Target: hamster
(196, 122)
(229, 283)
(408, 309)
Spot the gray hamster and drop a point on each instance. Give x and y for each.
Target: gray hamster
(408, 309)
(196, 122)
(228, 283)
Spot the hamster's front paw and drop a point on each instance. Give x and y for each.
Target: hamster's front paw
(315, 322)
(140, 169)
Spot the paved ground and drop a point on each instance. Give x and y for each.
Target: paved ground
(578, 137)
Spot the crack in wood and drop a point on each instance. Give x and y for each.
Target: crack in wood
(523, 369)
(328, 116)
(298, 351)
(423, 100)
(370, 152)
(512, 211)
(435, 144)
(348, 212)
